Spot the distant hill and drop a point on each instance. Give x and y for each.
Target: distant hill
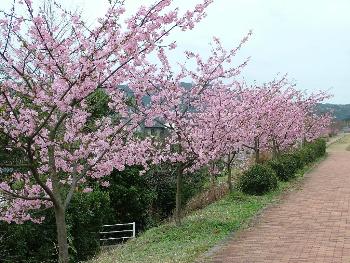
(340, 111)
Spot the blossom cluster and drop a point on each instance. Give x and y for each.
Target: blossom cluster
(52, 63)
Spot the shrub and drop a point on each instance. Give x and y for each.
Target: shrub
(131, 197)
(319, 147)
(296, 159)
(87, 213)
(307, 154)
(257, 180)
(311, 151)
(285, 166)
(163, 182)
(30, 242)
(145, 199)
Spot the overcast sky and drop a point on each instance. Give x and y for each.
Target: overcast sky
(309, 40)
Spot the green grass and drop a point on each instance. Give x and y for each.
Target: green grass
(199, 231)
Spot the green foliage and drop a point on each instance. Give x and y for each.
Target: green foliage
(204, 228)
(199, 232)
(9, 155)
(306, 155)
(257, 180)
(28, 242)
(319, 147)
(296, 159)
(311, 151)
(286, 165)
(98, 107)
(31, 242)
(86, 214)
(131, 197)
(98, 104)
(145, 199)
(163, 182)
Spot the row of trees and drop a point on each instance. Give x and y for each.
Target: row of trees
(54, 65)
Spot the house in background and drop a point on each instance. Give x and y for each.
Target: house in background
(157, 129)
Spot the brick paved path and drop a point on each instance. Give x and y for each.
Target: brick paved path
(311, 224)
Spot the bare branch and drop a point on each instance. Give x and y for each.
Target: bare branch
(15, 195)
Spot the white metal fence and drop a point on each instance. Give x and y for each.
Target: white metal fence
(117, 232)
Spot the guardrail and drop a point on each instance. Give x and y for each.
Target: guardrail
(116, 233)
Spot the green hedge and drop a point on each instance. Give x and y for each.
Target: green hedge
(260, 179)
(146, 199)
(86, 214)
(287, 165)
(257, 180)
(31, 242)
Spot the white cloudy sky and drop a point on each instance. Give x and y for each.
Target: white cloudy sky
(308, 39)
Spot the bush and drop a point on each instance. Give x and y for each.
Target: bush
(319, 147)
(311, 151)
(28, 242)
(131, 197)
(31, 242)
(296, 159)
(85, 217)
(285, 166)
(259, 179)
(163, 182)
(145, 199)
(307, 154)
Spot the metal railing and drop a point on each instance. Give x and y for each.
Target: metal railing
(115, 232)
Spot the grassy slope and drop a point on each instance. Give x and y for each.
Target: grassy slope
(199, 232)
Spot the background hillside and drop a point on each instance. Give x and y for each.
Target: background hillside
(340, 111)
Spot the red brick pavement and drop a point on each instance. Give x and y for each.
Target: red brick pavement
(311, 224)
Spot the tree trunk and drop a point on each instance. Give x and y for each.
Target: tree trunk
(213, 176)
(178, 196)
(278, 150)
(61, 235)
(274, 149)
(304, 141)
(229, 173)
(229, 178)
(59, 206)
(257, 150)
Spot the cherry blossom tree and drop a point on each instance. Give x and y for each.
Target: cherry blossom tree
(52, 62)
(280, 115)
(215, 119)
(194, 117)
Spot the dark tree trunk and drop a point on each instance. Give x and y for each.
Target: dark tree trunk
(229, 178)
(257, 150)
(213, 176)
(61, 235)
(274, 149)
(304, 141)
(278, 150)
(230, 158)
(178, 208)
(59, 206)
